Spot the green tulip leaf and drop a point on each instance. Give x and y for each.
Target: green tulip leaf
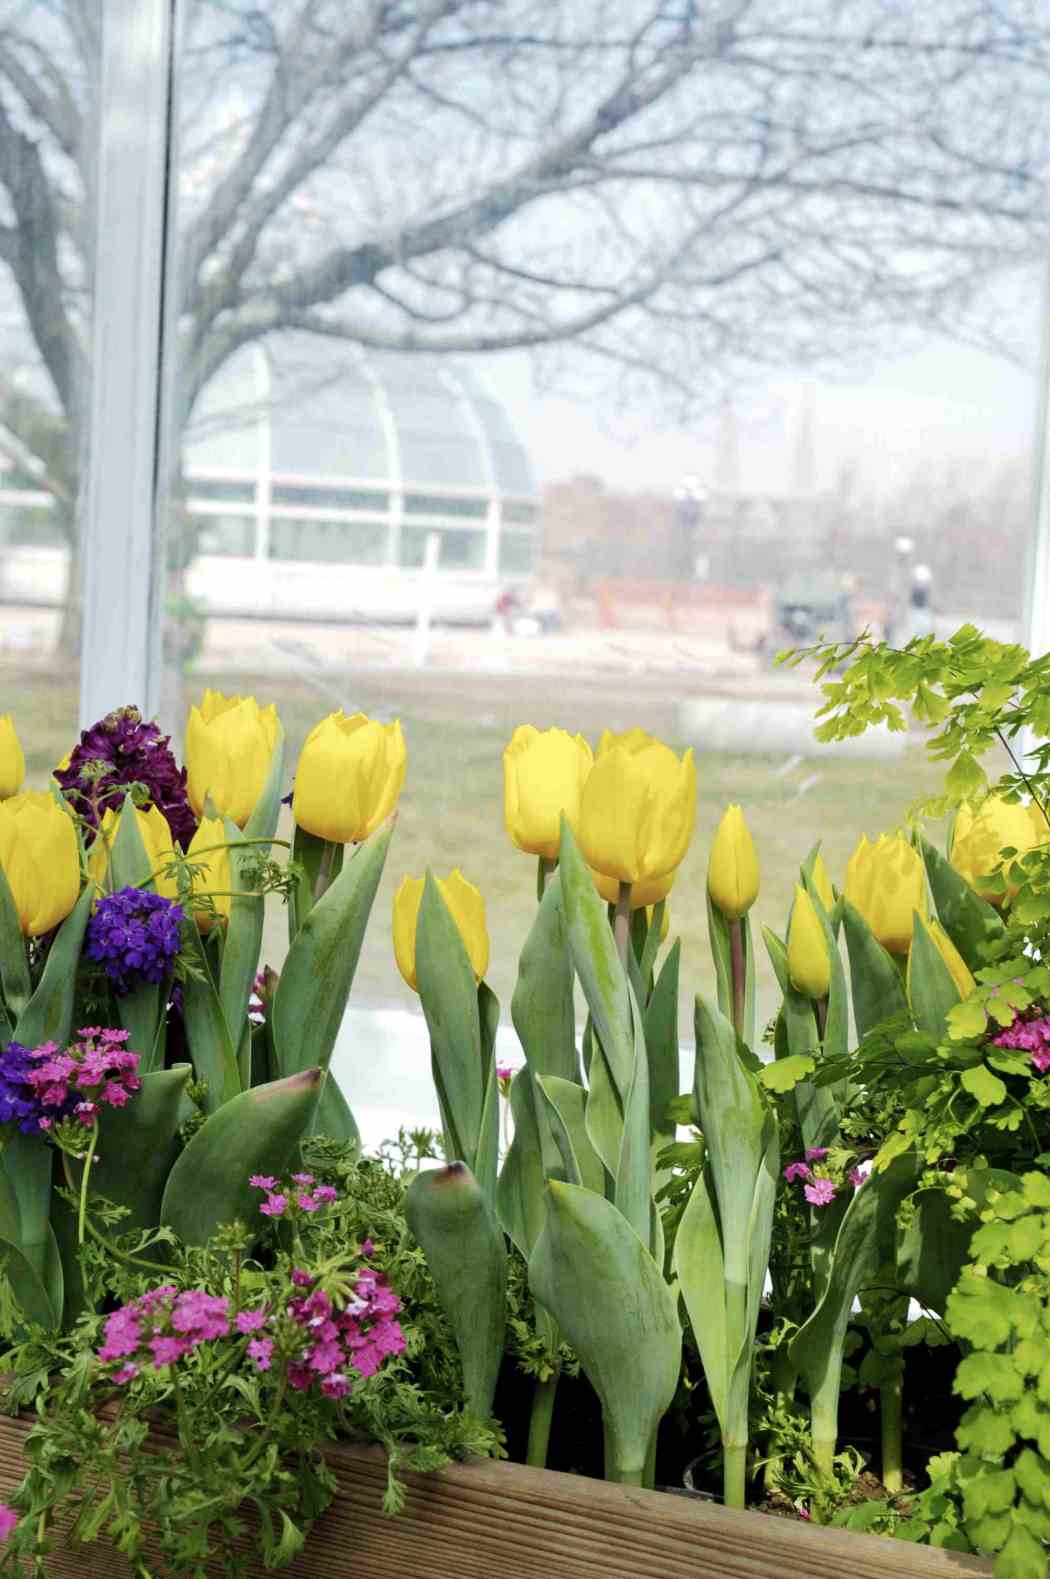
(138, 1146)
(633, 1188)
(243, 930)
(38, 1297)
(265, 814)
(835, 1042)
(817, 1108)
(700, 1270)
(519, 1192)
(48, 1016)
(130, 865)
(14, 961)
(451, 1219)
(140, 1012)
(661, 1044)
(211, 1047)
(596, 1277)
(878, 991)
(542, 1007)
(486, 1160)
(311, 997)
(334, 1118)
(719, 933)
(453, 1012)
(563, 1106)
(257, 1131)
(931, 988)
(308, 852)
(969, 920)
(597, 963)
(604, 1111)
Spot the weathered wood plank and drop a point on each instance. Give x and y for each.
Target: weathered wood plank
(505, 1521)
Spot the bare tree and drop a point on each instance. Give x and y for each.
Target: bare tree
(679, 193)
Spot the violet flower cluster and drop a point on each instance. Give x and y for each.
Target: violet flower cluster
(43, 1085)
(1030, 1036)
(301, 1196)
(819, 1186)
(137, 753)
(135, 935)
(357, 1337)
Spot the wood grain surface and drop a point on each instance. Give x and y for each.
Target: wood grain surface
(505, 1521)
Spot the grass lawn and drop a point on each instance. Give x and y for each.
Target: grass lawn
(451, 811)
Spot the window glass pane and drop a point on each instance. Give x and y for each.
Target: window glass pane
(322, 498)
(228, 535)
(517, 553)
(213, 488)
(48, 93)
(457, 550)
(444, 504)
(329, 542)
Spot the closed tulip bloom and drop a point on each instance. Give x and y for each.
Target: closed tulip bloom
(886, 883)
(12, 759)
(643, 895)
(467, 909)
(230, 741)
(543, 775)
(980, 836)
(214, 875)
(807, 951)
(822, 883)
(958, 969)
(40, 858)
(349, 777)
(638, 808)
(732, 868)
(155, 834)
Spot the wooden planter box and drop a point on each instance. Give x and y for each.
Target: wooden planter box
(482, 1519)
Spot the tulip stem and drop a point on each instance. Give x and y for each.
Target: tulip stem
(820, 1007)
(622, 922)
(544, 873)
(324, 870)
(738, 967)
(540, 1420)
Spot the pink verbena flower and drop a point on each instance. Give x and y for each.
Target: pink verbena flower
(335, 1385)
(250, 1320)
(797, 1170)
(260, 1350)
(8, 1520)
(302, 1178)
(274, 1206)
(262, 1181)
(858, 1175)
(820, 1193)
(326, 1194)
(167, 1351)
(201, 1315)
(123, 1334)
(302, 1279)
(816, 1153)
(309, 1203)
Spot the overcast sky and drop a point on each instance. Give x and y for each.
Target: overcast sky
(942, 405)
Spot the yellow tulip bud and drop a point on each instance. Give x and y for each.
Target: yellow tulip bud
(957, 967)
(214, 877)
(979, 838)
(807, 951)
(12, 759)
(349, 777)
(637, 808)
(732, 868)
(543, 776)
(886, 883)
(465, 906)
(40, 858)
(822, 883)
(644, 894)
(156, 841)
(230, 742)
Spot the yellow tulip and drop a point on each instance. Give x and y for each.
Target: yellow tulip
(958, 969)
(822, 883)
(230, 741)
(543, 776)
(12, 759)
(980, 836)
(465, 906)
(214, 877)
(349, 777)
(637, 808)
(644, 894)
(807, 950)
(886, 883)
(156, 841)
(732, 868)
(40, 857)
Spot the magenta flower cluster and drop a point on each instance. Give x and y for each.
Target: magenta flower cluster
(818, 1187)
(160, 1327)
(1030, 1036)
(303, 1195)
(136, 753)
(41, 1086)
(360, 1336)
(135, 935)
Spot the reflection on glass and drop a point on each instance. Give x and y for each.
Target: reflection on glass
(329, 542)
(457, 550)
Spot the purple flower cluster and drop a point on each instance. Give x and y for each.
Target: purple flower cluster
(135, 935)
(137, 753)
(288, 1200)
(1030, 1036)
(818, 1186)
(160, 1327)
(41, 1086)
(358, 1337)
